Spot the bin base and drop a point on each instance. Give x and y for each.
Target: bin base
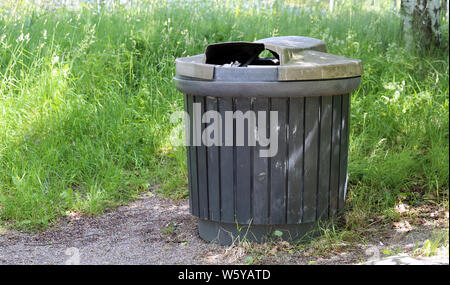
(227, 233)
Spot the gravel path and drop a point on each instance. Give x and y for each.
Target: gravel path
(151, 230)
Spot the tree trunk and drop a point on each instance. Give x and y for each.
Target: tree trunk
(421, 23)
(446, 12)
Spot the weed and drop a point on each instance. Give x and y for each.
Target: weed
(432, 246)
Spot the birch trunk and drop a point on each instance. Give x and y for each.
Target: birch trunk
(421, 23)
(446, 11)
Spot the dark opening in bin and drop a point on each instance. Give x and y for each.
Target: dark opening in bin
(241, 53)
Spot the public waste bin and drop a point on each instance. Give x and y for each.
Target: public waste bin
(267, 136)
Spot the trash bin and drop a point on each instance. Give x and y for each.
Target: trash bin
(267, 136)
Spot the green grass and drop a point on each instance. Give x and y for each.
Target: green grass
(431, 247)
(85, 99)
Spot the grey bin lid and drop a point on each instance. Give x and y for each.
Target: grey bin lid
(300, 67)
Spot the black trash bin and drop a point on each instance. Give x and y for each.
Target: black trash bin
(243, 184)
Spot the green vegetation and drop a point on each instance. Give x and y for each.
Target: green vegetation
(432, 246)
(86, 94)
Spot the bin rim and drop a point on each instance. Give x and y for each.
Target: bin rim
(300, 59)
(268, 89)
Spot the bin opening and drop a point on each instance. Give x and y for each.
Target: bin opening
(239, 54)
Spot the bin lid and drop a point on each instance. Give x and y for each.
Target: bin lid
(295, 58)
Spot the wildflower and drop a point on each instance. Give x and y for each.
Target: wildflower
(20, 38)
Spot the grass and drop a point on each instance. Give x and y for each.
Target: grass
(86, 94)
(431, 247)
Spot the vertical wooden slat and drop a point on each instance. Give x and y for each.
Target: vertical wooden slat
(260, 169)
(295, 160)
(226, 165)
(335, 155)
(311, 158)
(213, 167)
(278, 166)
(325, 152)
(188, 151)
(202, 165)
(344, 151)
(193, 162)
(243, 169)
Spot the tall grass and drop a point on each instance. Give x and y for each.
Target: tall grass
(86, 94)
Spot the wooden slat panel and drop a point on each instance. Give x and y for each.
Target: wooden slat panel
(188, 151)
(202, 164)
(278, 185)
(325, 154)
(344, 151)
(260, 170)
(193, 162)
(295, 161)
(311, 158)
(226, 166)
(244, 178)
(335, 155)
(213, 166)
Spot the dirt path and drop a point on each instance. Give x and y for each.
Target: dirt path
(139, 233)
(151, 230)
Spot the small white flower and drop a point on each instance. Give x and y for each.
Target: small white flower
(20, 38)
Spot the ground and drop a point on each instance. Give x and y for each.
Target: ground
(158, 230)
